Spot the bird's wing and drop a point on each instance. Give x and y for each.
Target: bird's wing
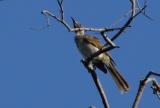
(93, 40)
(120, 81)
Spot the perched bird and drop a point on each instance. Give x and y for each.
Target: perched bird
(88, 45)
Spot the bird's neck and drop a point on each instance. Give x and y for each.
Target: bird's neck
(80, 33)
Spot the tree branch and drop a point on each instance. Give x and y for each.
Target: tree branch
(70, 29)
(156, 88)
(62, 21)
(97, 83)
(133, 15)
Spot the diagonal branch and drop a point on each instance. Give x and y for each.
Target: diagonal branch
(98, 84)
(149, 77)
(133, 15)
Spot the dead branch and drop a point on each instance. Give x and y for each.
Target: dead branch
(97, 83)
(155, 86)
(48, 13)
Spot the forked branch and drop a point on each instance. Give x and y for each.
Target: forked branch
(155, 86)
(69, 28)
(129, 21)
(61, 19)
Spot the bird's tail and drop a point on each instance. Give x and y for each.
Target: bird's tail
(120, 81)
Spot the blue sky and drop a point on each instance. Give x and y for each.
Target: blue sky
(42, 69)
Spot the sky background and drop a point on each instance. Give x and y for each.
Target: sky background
(42, 69)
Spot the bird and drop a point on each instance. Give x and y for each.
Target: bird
(88, 45)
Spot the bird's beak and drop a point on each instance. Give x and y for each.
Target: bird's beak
(73, 20)
(76, 24)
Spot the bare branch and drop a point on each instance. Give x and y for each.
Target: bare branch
(70, 29)
(147, 79)
(98, 84)
(62, 21)
(96, 29)
(60, 3)
(48, 13)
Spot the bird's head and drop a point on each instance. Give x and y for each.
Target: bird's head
(76, 24)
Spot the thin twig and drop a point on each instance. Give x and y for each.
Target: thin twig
(46, 12)
(60, 3)
(127, 24)
(149, 77)
(143, 12)
(68, 27)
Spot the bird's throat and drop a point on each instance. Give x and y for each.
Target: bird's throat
(80, 33)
